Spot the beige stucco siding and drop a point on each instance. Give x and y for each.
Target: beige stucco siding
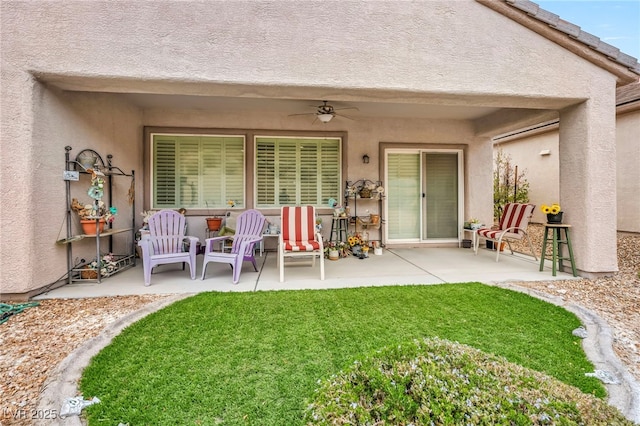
(542, 171)
(628, 170)
(537, 158)
(440, 47)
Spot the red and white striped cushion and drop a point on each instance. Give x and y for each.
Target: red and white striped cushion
(514, 215)
(298, 228)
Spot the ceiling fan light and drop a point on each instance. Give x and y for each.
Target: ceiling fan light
(325, 118)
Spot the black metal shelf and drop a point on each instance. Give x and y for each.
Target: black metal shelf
(85, 162)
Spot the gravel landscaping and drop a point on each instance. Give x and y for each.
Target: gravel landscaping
(35, 341)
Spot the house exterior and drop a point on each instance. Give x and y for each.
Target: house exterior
(535, 152)
(200, 99)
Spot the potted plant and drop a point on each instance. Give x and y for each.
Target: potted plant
(357, 243)
(553, 212)
(335, 250)
(88, 213)
(214, 222)
(98, 211)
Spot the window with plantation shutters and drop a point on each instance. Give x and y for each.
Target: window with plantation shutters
(297, 171)
(196, 171)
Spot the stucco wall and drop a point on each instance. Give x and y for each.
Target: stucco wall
(98, 121)
(542, 172)
(364, 137)
(441, 47)
(628, 172)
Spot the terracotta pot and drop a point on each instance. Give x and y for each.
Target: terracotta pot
(214, 223)
(89, 226)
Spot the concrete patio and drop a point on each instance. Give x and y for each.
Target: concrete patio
(394, 267)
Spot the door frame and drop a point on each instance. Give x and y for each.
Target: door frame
(419, 149)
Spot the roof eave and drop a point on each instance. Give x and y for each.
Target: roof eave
(569, 36)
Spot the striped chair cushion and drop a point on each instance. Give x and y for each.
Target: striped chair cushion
(494, 234)
(514, 215)
(298, 228)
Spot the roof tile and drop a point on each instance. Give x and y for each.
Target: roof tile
(574, 31)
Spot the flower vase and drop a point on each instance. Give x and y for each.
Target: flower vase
(554, 218)
(89, 226)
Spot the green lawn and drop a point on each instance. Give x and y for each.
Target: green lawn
(255, 358)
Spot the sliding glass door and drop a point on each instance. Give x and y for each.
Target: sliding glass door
(440, 183)
(403, 196)
(424, 189)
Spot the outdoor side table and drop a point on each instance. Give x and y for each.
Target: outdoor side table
(556, 230)
(473, 233)
(267, 235)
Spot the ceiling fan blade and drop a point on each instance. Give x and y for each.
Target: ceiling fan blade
(344, 116)
(304, 113)
(342, 109)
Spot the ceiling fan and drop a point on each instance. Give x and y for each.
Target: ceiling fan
(326, 112)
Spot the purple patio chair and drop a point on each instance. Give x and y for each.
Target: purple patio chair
(166, 243)
(249, 228)
(513, 226)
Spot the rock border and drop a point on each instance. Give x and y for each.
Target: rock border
(63, 381)
(598, 346)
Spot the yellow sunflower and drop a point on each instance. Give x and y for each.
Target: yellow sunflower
(552, 209)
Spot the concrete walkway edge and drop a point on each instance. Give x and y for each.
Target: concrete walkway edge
(598, 346)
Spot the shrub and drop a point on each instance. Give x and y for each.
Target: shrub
(434, 381)
(509, 185)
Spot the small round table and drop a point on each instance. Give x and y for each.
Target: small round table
(556, 256)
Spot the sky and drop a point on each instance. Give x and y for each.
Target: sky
(616, 22)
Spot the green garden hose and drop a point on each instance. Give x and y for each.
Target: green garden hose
(7, 310)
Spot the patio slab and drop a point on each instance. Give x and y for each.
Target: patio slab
(400, 266)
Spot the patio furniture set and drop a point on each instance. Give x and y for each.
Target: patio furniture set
(165, 242)
(299, 237)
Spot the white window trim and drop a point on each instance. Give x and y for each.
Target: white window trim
(340, 166)
(152, 177)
